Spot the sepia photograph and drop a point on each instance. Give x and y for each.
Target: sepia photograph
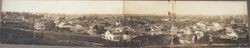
(124, 23)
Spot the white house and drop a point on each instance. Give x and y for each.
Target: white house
(109, 36)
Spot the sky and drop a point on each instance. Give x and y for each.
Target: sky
(187, 7)
(68, 7)
(127, 7)
(212, 7)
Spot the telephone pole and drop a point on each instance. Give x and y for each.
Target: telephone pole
(171, 11)
(1, 15)
(171, 14)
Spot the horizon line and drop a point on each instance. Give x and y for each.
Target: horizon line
(123, 14)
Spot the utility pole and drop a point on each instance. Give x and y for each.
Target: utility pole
(248, 6)
(171, 14)
(1, 15)
(171, 11)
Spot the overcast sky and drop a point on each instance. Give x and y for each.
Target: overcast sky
(127, 7)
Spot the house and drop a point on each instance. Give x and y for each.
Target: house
(109, 36)
(173, 30)
(100, 29)
(156, 30)
(77, 28)
(216, 27)
(114, 36)
(230, 34)
(42, 24)
(199, 34)
(91, 30)
(232, 22)
(127, 37)
(187, 39)
(39, 25)
(64, 25)
(201, 26)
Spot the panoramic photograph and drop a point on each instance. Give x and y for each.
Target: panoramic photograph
(124, 23)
